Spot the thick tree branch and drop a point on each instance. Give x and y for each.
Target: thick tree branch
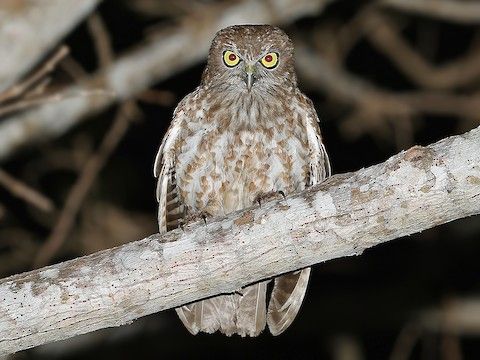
(30, 29)
(156, 60)
(412, 191)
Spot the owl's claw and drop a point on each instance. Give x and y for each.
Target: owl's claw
(195, 216)
(264, 197)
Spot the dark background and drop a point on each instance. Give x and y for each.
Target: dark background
(356, 308)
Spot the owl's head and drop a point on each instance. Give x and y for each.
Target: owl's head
(250, 58)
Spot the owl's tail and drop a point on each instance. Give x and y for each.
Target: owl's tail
(245, 314)
(242, 314)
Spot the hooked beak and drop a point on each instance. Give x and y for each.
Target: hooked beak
(250, 72)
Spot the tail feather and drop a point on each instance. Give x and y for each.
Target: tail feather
(209, 315)
(287, 297)
(186, 313)
(251, 312)
(243, 314)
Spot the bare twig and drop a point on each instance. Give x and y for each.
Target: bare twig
(74, 69)
(377, 104)
(454, 318)
(21, 248)
(39, 88)
(405, 342)
(83, 184)
(459, 316)
(22, 87)
(383, 34)
(350, 33)
(24, 104)
(31, 30)
(412, 191)
(101, 39)
(347, 347)
(166, 8)
(451, 348)
(30, 92)
(79, 191)
(157, 97)
(467, 12)
(25, 192)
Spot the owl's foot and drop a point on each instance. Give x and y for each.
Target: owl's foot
(193, 217)
(271, 195)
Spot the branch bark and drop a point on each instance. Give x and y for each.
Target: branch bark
(410, 192)
(159, 58)
(30, 29)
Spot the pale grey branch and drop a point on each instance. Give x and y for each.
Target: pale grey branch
(410, 192)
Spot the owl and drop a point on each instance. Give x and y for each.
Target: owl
(247, 131)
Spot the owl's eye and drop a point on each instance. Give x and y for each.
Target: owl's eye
(270, 60)
(230, 58)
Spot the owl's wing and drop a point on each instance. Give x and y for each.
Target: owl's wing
(170, 208)
(319, 162)
(206, 315)
(289, 290)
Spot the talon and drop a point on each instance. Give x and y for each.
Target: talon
(269, 196)
(195, 216)
(181, 224)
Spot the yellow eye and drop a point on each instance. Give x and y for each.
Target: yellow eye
(230, 58)
(270, 60)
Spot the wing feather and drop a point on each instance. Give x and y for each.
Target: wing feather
(287, 297)
(209, 315)
(251, 310)
(170, 207)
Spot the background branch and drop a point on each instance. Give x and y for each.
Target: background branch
(467, 12)
(158, 58)
(32, 28)
(125, 115)
(374, 106)
(410, 192)
(382, 32)
(23, 191)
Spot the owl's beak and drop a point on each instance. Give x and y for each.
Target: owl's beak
(250, 72)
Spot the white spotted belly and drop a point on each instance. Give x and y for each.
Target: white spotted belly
(222, 171)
